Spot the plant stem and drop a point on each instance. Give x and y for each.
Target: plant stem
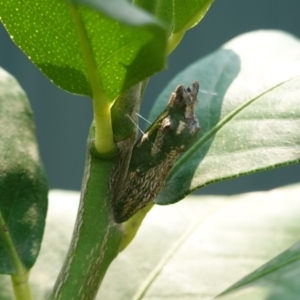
(21, 287)
(132, 226)
(20, 283)
(104, 142)
(96, 237)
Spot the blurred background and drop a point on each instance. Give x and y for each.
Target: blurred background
(63, 120)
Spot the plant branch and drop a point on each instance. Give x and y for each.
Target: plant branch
(96, 237)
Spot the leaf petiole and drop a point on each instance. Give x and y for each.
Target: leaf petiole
(101, 105)
(19, 280)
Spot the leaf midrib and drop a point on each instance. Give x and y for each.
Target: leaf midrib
(146, 284)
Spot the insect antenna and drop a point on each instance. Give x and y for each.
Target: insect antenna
(140, 116)
(144, 135)
(137, 126)
(208, 92)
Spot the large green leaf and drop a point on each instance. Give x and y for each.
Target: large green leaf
(253, 121)
(23, 187)
(109, 44)
(191, 250)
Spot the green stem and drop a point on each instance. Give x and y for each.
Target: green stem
(132, 226)
(96, 237)
(20, 283)
(104, 142)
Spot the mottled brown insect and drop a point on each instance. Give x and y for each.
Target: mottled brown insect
(154, 154)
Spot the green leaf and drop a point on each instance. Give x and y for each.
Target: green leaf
(162, 9)
(87, 45)
(23, 186)
(277, 279)
(179, 15)
(252, 123)
(188, 13)
(192, 250)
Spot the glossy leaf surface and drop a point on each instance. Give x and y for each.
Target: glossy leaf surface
(81, 44)
(162, 9)
(250, 117)
(187, 13)
(180, 15)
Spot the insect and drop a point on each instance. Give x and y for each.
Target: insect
(154, 154)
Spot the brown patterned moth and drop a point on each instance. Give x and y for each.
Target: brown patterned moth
(154, 154)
